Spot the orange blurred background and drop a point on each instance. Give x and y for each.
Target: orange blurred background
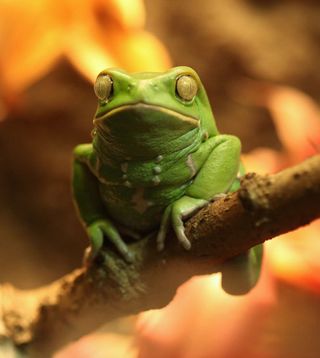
(259, 62)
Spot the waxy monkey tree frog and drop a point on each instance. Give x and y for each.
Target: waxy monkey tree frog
(155, 158)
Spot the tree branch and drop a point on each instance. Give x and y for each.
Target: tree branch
(42, 320)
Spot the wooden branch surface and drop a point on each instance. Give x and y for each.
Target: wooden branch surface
(42, 320)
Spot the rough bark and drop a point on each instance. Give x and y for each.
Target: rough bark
(40, 321)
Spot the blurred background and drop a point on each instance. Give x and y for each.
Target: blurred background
(258, 60)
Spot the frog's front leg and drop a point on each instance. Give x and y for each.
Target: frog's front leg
(217, 164)
(176, 213)
(91, 210)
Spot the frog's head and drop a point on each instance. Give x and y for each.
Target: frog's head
(151, 107)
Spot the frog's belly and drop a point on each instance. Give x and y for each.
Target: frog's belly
(138, 209)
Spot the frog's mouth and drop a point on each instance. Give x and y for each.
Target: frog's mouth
(145, 112)
(146, 130)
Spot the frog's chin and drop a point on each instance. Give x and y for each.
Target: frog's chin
(148, 114)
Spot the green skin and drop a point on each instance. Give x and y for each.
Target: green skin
(154, 160)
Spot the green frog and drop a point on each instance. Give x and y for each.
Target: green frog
(156, 158)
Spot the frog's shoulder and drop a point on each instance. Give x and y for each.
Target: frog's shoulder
(84, 153)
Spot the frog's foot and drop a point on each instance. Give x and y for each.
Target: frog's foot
(182, 209)
(101, 229)
(241, 273)
(179, 210)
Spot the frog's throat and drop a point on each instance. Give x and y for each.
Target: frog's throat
(193, 121)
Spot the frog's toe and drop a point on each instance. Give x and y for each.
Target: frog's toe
(161, 236)
(96, 239)
(104, 228)
(178, 226)
(182, 209)
(185, 242)
(112, 234)
(219, 196)
(164, 226)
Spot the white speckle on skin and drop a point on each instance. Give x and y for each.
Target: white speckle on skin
(191, 165)
(156, 180)
(124, 167)
(127, 184)
(156, 169)
(159, 158)
(93, 132)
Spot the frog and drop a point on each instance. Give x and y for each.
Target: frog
(156, 158)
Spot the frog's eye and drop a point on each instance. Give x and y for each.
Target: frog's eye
(103, 87)
(186, 87)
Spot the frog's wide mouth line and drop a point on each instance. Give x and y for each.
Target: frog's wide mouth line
(138, 106)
